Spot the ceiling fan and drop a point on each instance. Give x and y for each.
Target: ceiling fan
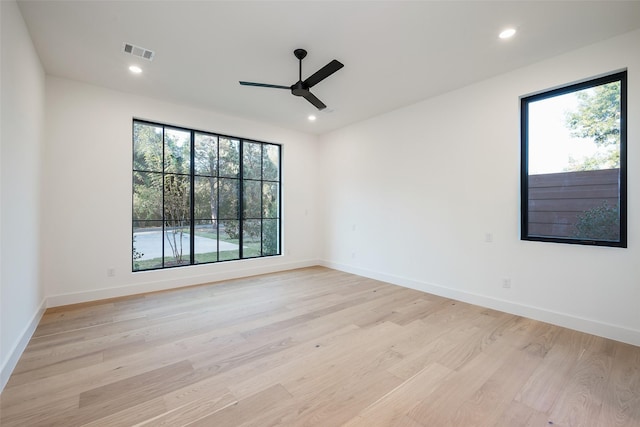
(301, 88)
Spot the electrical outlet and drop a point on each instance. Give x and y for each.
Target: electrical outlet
(506, 283)
(111, 272)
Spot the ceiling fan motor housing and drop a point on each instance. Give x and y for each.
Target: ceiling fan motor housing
(299, 89)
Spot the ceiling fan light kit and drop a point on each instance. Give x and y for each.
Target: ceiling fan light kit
(301, 88)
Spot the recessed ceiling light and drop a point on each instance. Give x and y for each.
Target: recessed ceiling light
(508, 33)
(312, 118)
(135, 69)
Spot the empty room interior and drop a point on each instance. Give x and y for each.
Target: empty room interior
(320, 213)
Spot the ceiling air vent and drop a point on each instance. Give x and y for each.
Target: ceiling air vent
(138, 51)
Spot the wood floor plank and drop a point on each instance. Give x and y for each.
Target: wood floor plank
(332, 405)
(580, 403)
(314, 347)
(519, 414)
(395, 405)
(494, 397)
(105, 401)
(43, 415)
(249, 379)
(545, 385)
(459, 387)
(245, 409)
(143, 412)
(399, 420)
(621, 399)
(192, 411)
(66, 365)
(141, 386)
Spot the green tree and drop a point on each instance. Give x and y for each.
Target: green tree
(136, 255)
(177, 210)
(177, 186)
(597, 119)
(158, 154)
(599, 223)
(147, 175)
(206, 185)
(270, 198)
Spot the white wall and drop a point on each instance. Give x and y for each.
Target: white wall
(22, 86)
(410, 195)
(87, 193)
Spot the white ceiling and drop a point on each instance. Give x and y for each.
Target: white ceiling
(395, 53)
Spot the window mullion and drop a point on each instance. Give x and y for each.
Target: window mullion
(164, 211)
(192, 207)
(240, 197)
(217, 181)
(261, 200)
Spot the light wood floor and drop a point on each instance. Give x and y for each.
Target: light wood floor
(314, 347)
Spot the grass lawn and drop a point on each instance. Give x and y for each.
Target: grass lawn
(248, 252)
(251, 249)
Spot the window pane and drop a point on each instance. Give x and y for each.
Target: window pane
(251, 238)
(574, 141)
(206, 242)
(229, 235)
(206, 154)
(270, 198)
(147, 245)
(176, 243)
(567, 135)
(270, 237)
(229, 153)
(205, 198)
(177, 199)
(177, 151)
(147, 147)
(147, 195)
(271, 162)
(252, 160)
(228, 194)
(252, 199)
(579, 205)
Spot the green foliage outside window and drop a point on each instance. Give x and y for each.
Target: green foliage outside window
(597, 119)
(599, 223)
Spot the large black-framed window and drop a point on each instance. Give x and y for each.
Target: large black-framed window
(574, 163)
(201, 197)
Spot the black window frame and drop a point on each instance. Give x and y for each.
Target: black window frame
(193, 175)
(620, 76)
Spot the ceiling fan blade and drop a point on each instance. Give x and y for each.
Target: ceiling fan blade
(323, 73)
(315, 101)
(264, 85)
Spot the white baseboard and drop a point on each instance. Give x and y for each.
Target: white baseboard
(161, 285)
(18, 348)
(602, 329)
